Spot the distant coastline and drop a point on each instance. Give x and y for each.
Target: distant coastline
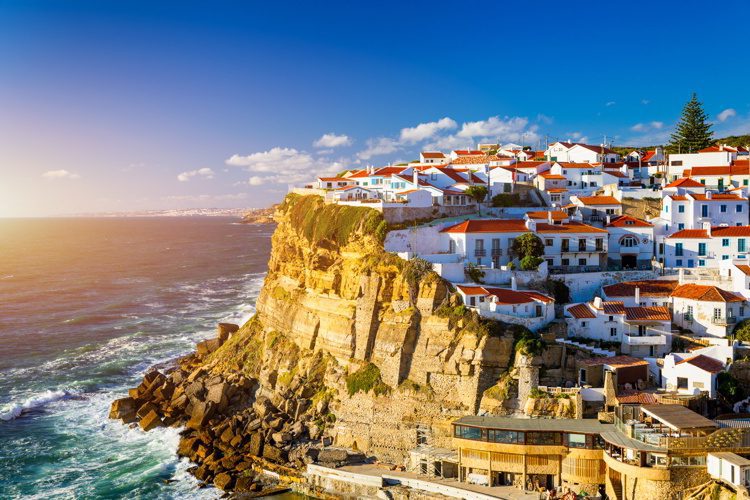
(242, 213)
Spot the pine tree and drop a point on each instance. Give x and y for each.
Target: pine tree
(693, 132)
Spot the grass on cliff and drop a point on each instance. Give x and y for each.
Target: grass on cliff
(318, 221)
(366, 379)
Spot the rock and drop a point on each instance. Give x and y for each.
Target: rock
(274, 454)
(244, 484)
(227, 435)
(195, 391)
(281, 438)
(176, 377)
(236, 442)
(298, 428)
(254, 445)
(122, 407)
(187, 446)
(146, 408)
(195, 374)
(200, 415)
(202, 473)
(224, 481)
(225, 330)
(207, 347)
(253, 425)
(134, 393)
(150, 421)
(218, 394)
(262, 407)
(332, 455)
(314, 431)
(230, 462)
(164, 393)
(243, 466)
(276, 423)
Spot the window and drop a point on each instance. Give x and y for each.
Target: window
(629, 242)
(544, 438)
(510, 437)
(689, 313)
(461, 431)
(676, 163)
(611, 318)
(613, 332)
(577, 440)
(599, 244)
(678, 249)
(548, 242)
(741, 245)
(681, 209)
(582, 245)
(725, 242)
(701, 263)
(717, 312)
(680, 226)
(704, 210)
(738, 208)
(583, 323)
(678, 263)
(682, 383)
(701, 249)
(723, 209)
(565, 245)
(581, 262)
(565, 262)
(742, 311)
(725, 257)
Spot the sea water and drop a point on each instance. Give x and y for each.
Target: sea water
(86, 307)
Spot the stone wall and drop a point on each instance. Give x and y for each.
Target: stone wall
(583, 286)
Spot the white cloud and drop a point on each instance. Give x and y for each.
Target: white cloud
(645, 101)
(643, 127)
(379, 147)
(205, 172)
(610, 103)
(657, 125)
(332, 141)
(547, 120)
(282, 166)
(59, 174)
(494, 128)
(412, 135)
(726, 114)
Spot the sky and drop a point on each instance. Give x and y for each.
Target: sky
(130, 105)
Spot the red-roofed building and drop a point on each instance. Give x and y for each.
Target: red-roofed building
(596, 209)
(708, 247)
(642, 331)
(581, 153)
(708, 310)
(526, 307)
(334, 182)
(687, 373)
(631, 242)
(433, 158)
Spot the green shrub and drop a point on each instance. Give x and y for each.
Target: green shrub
(474, 273)
(536, 393)
(528, 244)
(506, 200)
(527, 343)
(531, 263)
(742, 331)
(730, 388)
(366, 379)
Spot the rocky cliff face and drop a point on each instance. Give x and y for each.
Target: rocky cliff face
(350, 345)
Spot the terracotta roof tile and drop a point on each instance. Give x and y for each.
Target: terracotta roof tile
(615, 361)
(613, 307)
(705, 363)
(628, 221)
(636, 397)
(706, 293)
(488, 226)
(581, 311)
(556, 215)
(647, 288)
(743, 268)
(721, 170)
(685, 182)
(433, 154)
(690, 233)
(568, 227)
(654, 313)
(599, 200)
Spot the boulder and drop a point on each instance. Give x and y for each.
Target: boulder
(147, 408)
(150, 421)
(202, 473)
(121, 407)
(254, 445)
(225, 330)
(200, 415)
(244, 484)
(164, 392)
(253, 425)
(224, 481)
(281, 438)
(187, 446)
(227, 435)
(218, 394)
(332, 455)
(274, 454)
(206, 347)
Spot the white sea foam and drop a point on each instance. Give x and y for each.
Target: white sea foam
(15, 410)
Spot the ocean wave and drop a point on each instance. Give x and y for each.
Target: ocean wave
(15, 410)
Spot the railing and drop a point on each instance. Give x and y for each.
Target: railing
(497, 252)
(646, 340)
(575, 269)
(480, 252)
(729, 320)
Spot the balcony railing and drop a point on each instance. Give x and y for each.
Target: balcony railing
(497, 251)
(646, 340)
(728, 320)
(480, 252)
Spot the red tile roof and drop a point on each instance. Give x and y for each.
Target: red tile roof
(334, 179)
(636, 397)
(628, 221)
(506, 295)
(706, 293)
(488, 226)
(653, 313)
(730, 231)
(556, 215)
(599, 200)
(468, 152)
(581, 311)
(705, 363)
(552, 176)
(570, 164)
(743, 268)
(433, 154)
(721, 170)
(557, 190)
(597, 149)
(613, 307)
(568, 227)
(717, 197)
(475, 159)
(647, 288)
(685, 182)
(690, 233)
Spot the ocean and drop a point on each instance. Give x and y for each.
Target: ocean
(86, 307)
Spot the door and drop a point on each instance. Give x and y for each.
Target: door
(721, 184)
(629, 262)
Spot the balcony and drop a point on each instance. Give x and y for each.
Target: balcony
(646, 340)
(496, 252)
(728, 320)
(480, 252)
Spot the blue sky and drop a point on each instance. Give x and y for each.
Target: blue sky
(147, 105)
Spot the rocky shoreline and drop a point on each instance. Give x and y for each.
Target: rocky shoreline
(233, 434)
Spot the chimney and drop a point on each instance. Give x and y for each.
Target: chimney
(598, 302)
(721, 147)
(709, 195)
(681, 276)
(609, 219)
(531, 225)
(550, 220)
(637, 296)
(415, 178)
(513, 285)
(707, 227)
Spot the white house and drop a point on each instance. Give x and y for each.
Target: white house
(691, 373)
(677, 164)
(707, 311)
(642, 331)
(641, 293)
(580, 153)
(354, 193)
(729, 468)
(432, 158)
(579, 175)
(706, 247)
(631, 242)
(595, 209)
(333, 182)
(527, 307)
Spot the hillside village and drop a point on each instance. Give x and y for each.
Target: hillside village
(544, 239)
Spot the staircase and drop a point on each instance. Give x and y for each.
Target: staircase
(617, 488)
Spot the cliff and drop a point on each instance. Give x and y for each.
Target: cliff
(350, 346)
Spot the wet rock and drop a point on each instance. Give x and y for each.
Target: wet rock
(224, 481)
(150, 421)
(187, 446)
(146, 408)
(123, 407)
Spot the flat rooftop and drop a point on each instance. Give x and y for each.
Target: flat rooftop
(678, 417)
(582, 426)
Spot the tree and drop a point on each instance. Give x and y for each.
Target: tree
(478, 193)
(693, 132)
(742, 331)
(528, 244)
(531, 263)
